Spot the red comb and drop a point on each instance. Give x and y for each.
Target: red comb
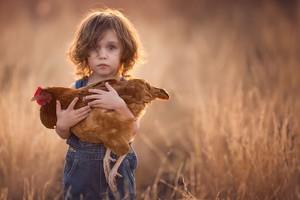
(38, 91)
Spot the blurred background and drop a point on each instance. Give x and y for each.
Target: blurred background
(230, 129)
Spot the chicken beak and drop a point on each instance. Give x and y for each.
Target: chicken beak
(160, 93)
(33, 99)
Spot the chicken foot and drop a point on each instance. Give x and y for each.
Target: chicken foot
(111, 174)
(106, 163)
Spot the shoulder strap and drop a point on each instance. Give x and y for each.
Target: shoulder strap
(81, 83)
(122, 79)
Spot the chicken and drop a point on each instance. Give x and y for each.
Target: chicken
(102, 126)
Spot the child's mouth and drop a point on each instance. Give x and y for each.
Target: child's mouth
(102, 65)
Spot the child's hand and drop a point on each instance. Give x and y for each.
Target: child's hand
(70, 117)
(106, 99)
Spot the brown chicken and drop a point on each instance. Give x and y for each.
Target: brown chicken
(101, 126)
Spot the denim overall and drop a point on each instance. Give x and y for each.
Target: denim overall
(84, 177)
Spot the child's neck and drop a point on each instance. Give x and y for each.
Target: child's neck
(93, 78)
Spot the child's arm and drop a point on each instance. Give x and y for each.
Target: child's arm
(111, 100)
(69, 117)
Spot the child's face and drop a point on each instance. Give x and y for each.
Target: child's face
(104, 60)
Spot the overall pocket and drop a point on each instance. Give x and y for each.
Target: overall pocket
(130, 165)
(132, 160)
(70, 165)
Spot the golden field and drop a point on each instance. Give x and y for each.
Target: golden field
(230, 130)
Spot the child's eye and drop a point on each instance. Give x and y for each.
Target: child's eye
(93, 48)
(111, 47)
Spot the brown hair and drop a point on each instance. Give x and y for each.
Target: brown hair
(92, 27)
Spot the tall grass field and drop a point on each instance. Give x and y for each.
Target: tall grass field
(231, 129)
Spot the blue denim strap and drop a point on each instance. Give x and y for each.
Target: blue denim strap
(81, 83)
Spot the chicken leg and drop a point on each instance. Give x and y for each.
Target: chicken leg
(106, 163)
(110, 174)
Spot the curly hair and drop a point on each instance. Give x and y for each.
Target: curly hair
(92, 27)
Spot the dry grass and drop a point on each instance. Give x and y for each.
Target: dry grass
(230, 130)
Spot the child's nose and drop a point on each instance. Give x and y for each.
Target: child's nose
(102, 54)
